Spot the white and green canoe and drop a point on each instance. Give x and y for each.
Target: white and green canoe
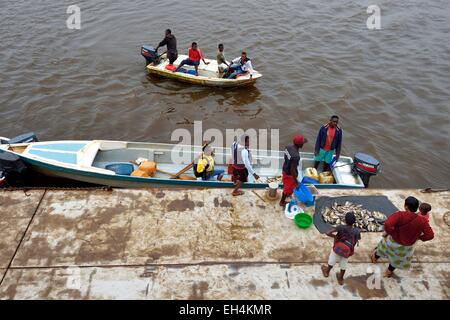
(88, 161)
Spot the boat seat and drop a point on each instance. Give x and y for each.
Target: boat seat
(87, 155)
(122, 168)
(123, 155)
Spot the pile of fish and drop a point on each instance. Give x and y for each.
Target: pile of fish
(365, 220)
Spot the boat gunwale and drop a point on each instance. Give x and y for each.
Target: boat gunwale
(201, 80)
(110, 175)
(171, 182)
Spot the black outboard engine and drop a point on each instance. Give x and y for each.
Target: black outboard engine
(11, 168)
(2, 178)
(24, 138)
(365, 166)
(149, 53)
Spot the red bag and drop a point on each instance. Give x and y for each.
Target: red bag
(344, 246)
(171, 67)
(343, 249)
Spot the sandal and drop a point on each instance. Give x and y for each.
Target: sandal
(237, 193)
(340, 279)
(325, 271)
(372, 257)
(388, 273)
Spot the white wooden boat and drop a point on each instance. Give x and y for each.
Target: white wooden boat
(207, 74)
(87, 161)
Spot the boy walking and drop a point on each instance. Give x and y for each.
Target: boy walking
(345, 239)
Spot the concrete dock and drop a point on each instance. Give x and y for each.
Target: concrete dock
(195, 244)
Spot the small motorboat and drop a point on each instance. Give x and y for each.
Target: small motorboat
(208, 75)
(110, 163)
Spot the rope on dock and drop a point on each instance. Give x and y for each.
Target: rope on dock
(431, 190)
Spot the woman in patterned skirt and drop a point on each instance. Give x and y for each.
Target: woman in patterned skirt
(401, 231)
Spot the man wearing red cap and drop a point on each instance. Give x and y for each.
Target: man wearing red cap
(290, 171)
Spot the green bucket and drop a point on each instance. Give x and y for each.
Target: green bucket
(303, 220)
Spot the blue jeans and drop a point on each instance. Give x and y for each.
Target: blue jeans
(216, 173)
(189, 62)
(237, 70)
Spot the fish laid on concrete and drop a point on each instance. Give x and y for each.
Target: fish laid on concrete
(366, 220)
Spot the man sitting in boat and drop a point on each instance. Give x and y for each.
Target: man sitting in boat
(194, 57)
(240, 65)
(221, 62)
(242, 164)
(328, 143)
(204, 166)
(171, 42)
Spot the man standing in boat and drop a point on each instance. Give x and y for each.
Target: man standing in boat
(240, 65)
(242, 164)
(171, 42)
(194, 57)
(290, 167)
(328, 143)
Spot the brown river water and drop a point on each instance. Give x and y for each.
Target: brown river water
(390, 87)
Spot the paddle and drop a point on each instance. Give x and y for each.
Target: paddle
(176, 175)
(190, 165)
(184, 177)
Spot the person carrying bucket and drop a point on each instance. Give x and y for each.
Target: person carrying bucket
(328, 144)
(290, 167)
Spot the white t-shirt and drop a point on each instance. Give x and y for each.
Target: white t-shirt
(247, 66)
(247, 165)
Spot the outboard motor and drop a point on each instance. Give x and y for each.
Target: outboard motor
(11, 167)
(2, 178)
(23, 138)
(149, 53)
(365, 166)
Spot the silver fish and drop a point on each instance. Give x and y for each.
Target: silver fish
(366, 220)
